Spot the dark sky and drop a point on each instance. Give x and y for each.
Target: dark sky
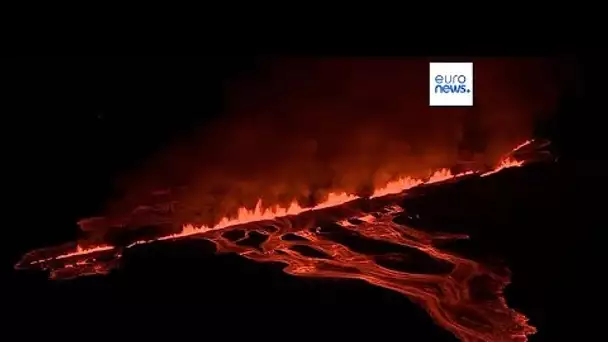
(71, 124)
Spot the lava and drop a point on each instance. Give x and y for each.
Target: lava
(447, 294)
(83, 251)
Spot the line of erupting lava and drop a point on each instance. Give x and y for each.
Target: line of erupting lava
(259, 213)
(463, 296)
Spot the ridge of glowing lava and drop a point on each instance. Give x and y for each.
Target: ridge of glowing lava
(86, 250)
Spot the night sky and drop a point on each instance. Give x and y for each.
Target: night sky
(74, 124)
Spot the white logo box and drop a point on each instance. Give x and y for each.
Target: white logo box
(451, 84)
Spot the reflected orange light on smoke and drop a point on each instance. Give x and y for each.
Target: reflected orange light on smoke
(259, 213)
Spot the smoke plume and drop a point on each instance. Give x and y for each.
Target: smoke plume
(300, 128)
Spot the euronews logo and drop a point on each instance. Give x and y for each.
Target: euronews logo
(454, 84)
(451, 84)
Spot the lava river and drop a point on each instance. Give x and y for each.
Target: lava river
(348, 237)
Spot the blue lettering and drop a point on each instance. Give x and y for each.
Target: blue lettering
(450, 79)
(451, 84)
(451, 89)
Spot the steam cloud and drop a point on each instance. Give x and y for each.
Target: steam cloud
(303, 127)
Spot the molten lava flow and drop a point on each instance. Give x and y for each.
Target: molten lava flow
(452, 289)
(505, 163)
(461, 295)
(83, 251)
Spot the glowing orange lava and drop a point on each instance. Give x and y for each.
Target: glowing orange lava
(83, 251)
(446, 293)
(259, 213)
(505, 163)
